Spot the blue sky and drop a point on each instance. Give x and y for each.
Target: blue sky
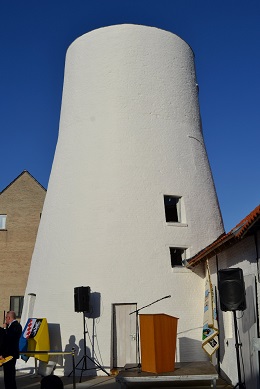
(225, 37)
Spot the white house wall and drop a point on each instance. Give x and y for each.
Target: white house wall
(130, 132)
(242, 255)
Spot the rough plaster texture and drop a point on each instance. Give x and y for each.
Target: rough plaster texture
(130, 132)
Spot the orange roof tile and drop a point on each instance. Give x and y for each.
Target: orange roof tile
(237, 233)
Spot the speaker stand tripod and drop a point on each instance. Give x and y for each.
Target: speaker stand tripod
(240, 384)
(85, 357)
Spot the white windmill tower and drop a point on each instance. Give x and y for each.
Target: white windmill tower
(130, 194)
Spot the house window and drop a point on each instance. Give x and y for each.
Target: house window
(16, 305)
(178, 256)
(2, 222)
(172, 206)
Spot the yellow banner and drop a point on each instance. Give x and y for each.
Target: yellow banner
(35, 337)
(210, 341)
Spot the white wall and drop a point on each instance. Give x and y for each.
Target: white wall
(241, 255)
(130, 132)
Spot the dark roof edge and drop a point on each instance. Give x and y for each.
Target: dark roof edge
(237, 233)
(208, 251)
(23, 172)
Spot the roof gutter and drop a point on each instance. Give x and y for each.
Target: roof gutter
(210, 252)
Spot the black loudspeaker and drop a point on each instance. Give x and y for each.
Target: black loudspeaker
(231, 286)
(81, 298)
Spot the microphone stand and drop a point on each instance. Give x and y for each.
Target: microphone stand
(137, 331)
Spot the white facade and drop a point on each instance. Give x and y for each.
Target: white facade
(242, 255)
(130, 133)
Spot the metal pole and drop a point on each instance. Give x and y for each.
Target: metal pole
(73, 366)
(240, 384)
(84, 365)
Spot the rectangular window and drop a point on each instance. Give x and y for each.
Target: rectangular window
(16, 305)
(178, 256)
(2, 222)
(172, 206)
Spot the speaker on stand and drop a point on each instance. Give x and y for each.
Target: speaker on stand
(82, 304)
(81, 299)
(232, 297)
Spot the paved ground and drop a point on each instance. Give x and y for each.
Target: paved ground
(30, 381)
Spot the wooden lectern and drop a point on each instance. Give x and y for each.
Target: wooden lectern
(158, 333)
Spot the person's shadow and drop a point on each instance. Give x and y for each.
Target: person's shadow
(85, 362)
(68, 364)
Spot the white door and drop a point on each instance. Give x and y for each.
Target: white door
(124, 335)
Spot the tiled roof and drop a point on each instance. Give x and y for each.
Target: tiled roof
(246, 223)
(237, 233)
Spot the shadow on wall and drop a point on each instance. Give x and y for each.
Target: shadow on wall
(68, 364)
(83, 362)
(247, 323)
(199, 270)
(47, 368)
(190, 350)
(55, 342)
(221, 336)
(84, 356)
(94, 303)
(249, 317)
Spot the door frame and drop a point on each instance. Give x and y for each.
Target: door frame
(134, 336)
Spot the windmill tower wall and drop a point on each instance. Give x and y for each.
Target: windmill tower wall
(130, 133)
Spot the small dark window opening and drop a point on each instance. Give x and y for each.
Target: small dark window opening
(177, 256)
(171, 209)
(16, 305)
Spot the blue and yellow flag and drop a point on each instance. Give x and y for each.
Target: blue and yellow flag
(35, 337)
(210, 342)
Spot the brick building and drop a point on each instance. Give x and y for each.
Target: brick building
(21, 205)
